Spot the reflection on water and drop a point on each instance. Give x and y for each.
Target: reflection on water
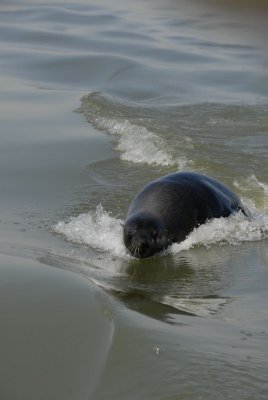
(184, 286)
(189, 283)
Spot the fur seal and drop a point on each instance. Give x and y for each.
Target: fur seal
(166, 210)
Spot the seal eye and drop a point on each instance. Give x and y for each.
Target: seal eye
(154, 234)
(130, 233)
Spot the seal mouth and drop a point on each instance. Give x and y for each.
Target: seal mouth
(139, 251)
(142, 248)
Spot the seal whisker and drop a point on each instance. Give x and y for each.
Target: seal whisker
(137, 250)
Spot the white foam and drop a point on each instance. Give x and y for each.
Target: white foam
(102, 231)
(99, 230)
(258, 191)
(252, 180)
(233, 230)
(138, 144)
(134, 141)
(260, 184)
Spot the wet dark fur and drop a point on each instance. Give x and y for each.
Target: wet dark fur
(166, 210)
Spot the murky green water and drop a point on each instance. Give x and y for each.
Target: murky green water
(97, 99)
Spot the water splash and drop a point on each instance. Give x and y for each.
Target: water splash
(102, 231)
(233, 230)
(98, 229)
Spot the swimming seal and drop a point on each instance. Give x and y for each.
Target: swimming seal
(166, 210)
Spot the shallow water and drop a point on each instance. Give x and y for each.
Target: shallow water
(98, 99)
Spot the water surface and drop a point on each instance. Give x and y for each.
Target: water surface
(98, 99)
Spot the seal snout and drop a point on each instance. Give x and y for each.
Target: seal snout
(143, 236)
(142, 246)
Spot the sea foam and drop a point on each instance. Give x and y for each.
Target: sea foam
(134, 141)
(257, 190)
(100, 230)
(97, 229)
(233, 230)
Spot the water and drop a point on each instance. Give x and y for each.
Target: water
(97, 99)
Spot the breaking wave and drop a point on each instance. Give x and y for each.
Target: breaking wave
(135, 142)
(100, 230)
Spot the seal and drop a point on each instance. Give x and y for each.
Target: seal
(167, 210)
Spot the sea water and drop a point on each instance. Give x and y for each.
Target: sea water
(98, 99)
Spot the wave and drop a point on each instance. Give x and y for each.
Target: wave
(102, 231)
(135, 142)
(205, 137)
(232, 230)
(98, 229)
(253, 188)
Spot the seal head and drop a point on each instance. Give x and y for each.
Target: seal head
(144, 235)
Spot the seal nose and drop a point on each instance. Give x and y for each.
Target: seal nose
(139, 241)
(141, 246)
(144, 247)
